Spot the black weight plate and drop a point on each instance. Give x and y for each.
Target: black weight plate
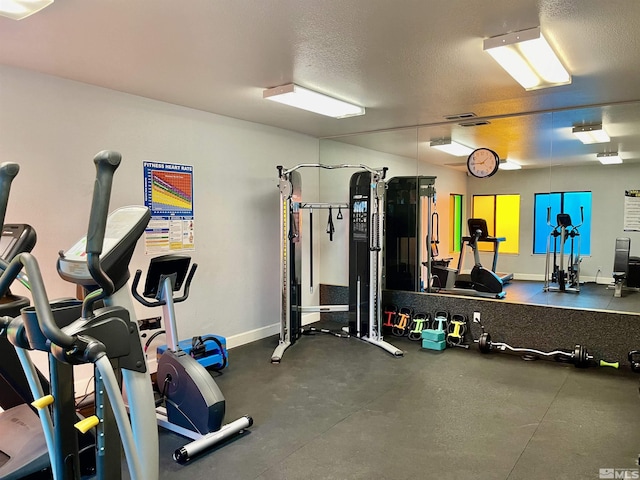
(484, 344)
(580, 359)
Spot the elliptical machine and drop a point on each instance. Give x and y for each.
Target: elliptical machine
(75, 333)
(194, 405)
(567, 278)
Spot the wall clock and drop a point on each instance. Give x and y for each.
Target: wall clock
(483, 163)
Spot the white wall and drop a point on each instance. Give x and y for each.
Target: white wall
(53, 128)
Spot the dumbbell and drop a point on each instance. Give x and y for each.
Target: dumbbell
(456, 330)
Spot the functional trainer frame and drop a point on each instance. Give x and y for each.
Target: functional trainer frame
(366, 240)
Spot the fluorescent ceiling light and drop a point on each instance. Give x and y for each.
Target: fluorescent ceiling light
(19, 9)
(306, 99)
(509, 165)
(528, 58)
(451, 147)
(589, 134)
(611, 158)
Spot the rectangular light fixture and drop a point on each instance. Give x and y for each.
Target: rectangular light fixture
(300, 97)
(528, 58)
(509, 165)
(589, 134)
(611, 158)
(19, 9)
(451, 147)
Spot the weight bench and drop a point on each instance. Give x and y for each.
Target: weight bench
(621, 264)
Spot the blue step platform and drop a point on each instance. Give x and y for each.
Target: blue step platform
(209, 357)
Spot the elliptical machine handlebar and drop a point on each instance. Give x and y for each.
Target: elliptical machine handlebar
(8, 172)
(106, 163)
(581, 218)
(159, 303)
(573, 227)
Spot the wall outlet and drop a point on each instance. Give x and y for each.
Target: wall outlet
(476, 317)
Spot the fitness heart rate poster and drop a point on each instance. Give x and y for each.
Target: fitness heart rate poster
(168, 193)
(632, 211)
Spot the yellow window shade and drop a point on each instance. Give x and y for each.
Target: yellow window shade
(508, 222)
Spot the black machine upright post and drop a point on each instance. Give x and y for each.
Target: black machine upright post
(65, 435)
(360, 236)
(366, 252)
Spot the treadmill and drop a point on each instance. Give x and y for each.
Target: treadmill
(463, 280)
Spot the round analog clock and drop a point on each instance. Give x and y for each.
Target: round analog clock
(483, 162)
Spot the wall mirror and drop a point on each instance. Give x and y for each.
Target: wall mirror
(557, 174)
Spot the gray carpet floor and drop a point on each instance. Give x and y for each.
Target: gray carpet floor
(342, 409)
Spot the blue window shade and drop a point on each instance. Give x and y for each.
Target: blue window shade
(541, 229)
(562, 202)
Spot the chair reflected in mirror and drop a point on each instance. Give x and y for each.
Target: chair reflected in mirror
(626, 269)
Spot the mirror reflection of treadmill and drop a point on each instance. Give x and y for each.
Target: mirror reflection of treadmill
(463, 280)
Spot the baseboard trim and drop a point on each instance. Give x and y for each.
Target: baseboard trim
(84, 373)
(583, 279)
(264, 332)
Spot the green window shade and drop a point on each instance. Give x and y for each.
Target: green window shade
(455, 220)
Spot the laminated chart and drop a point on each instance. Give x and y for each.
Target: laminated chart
(168, 193)
(632, 211)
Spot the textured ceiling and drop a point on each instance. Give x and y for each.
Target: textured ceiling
(409, 62)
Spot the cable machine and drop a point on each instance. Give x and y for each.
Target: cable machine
(366, 230)
(409, 203)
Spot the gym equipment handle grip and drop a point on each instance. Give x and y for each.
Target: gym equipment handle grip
(8, 172)
(187, 284)
(106, 163)
(609, 364)
(42, 402)
(140, 298)
(87, 424)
